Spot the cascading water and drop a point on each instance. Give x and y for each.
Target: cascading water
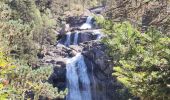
(87, 25)
(76, 38)
(89, 18)
(73, 82)
(78, 80)
(67, 43)
(84, 79)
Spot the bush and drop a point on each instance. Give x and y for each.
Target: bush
(26, 80)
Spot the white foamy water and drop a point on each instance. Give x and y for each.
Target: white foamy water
(76, 75)
(76, 38)
(67, 43)
(87, 25)
(84, 79)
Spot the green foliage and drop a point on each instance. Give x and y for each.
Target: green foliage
(17, 82)
(25, 79)
(142, 61)
(24, 28)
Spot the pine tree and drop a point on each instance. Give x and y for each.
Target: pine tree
(141, 61)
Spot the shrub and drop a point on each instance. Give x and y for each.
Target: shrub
(26, 80)
(17, 82)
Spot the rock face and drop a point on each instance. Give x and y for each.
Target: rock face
(104, 86)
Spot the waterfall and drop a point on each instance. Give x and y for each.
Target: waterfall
(84, 79)
(73, 82)
(67, 43)
(76, 38)
(78, 80)
(87, 25)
